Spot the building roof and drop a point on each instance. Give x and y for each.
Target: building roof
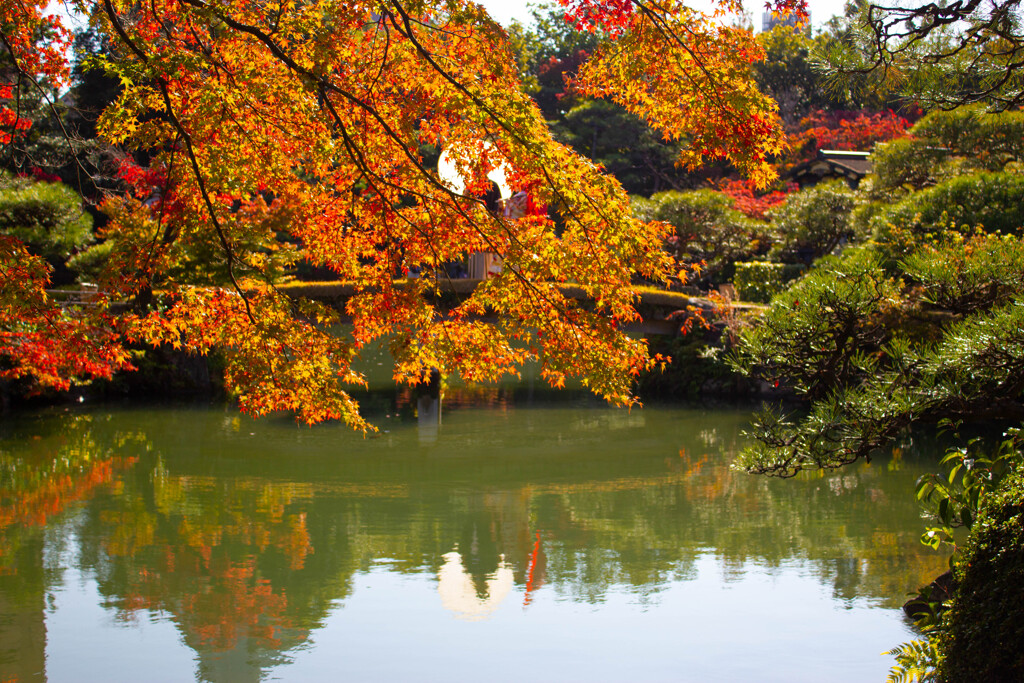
(832, 163)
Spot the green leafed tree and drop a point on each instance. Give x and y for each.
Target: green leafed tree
(942, 54)
(813, 222)
(921, 322)
(790, 75)
(707, 231)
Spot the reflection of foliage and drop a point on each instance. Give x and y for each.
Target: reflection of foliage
(225, 545)
(464, 396)
(199, 550)
(37, 486)
(217, 602)
(31, 503)
(659, 530)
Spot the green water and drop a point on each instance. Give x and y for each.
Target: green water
(517, 540)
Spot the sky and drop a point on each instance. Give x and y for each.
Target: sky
(504, 11)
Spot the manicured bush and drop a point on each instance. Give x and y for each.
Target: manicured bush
(813, 222)
(943, 145)
(759, 281)
(708, 231)
(46, 216)
(993, 201)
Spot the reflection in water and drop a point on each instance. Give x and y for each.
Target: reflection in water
(200, 552)
(51, 472)
(250, 537)
(460, 594)
(428, 418)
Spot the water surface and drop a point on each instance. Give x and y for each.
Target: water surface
(517, 540)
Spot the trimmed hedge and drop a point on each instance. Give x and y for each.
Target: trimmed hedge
(983, 631)
(994, 201)
(46, 216)
(759, 281)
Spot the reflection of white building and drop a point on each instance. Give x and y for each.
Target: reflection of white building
(459, 594)
(428, 418)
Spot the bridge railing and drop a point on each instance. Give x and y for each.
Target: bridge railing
(88, 295)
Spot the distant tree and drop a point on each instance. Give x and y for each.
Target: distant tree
(956, 170)
(623, 145)
(751, 201)
(549, 52)
(790, 75)
(550, 55)
(857, 131)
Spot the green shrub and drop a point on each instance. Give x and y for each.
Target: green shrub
(983, 631)
(708, 230)
(813, 222)
(759, 281)
(824, 328)
(88, 263)
(994, 201)
(987, 140)
(696, 370)
(46, 216)
(964, 275)
(943, 145)
(904, 165)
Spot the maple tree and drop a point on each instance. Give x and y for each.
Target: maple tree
(856, 131)
(751, 201)
(274, 132)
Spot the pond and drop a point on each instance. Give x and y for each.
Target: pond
(514, 540)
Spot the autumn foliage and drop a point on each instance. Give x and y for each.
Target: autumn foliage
(54, 346)
(752, 202)
(308, 131)
(844, 130)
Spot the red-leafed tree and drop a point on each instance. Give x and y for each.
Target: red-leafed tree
(316, 117)
(857, 131)
(751, 201)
